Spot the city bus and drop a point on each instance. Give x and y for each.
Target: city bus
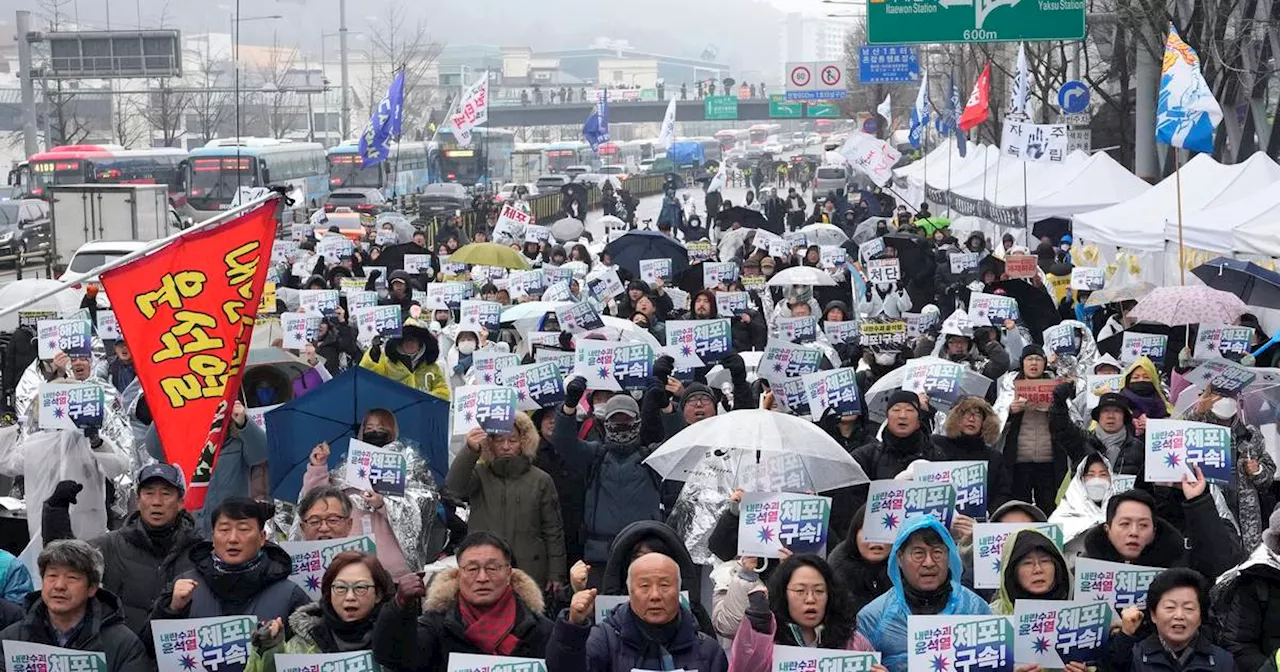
(526, 162)
(487, 160)
(561, 155)
(103, 164)
(216, 171)
(407, 169)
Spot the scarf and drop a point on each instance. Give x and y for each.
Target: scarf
(339, 636)
(1112, 441)
(490, 629)
(656, 639)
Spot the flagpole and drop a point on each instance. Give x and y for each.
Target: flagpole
(1177, 178)
(137, 254)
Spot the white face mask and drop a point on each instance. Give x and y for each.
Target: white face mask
(466, 347)
(1096, 488)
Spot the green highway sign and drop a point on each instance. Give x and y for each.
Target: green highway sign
(780, 108)
(920, 21)
(823, 111)
(720, 107)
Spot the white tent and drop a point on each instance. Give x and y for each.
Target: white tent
(1245, 181)
(1138, 223)
(1100, 183)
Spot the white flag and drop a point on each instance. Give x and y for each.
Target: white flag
(885, 109)
(668, 134)
(1020, 91)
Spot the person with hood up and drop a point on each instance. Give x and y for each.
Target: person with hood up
(238, 573)
(1245, 603)
(352, 592)
(73, 611)
(1255, 470)
(924, 566)
(970, 433)
(1032, 567)
(513, 499)
(804, 605)
(485, 606)
(1111, 435)
(1145, 394)
(861, 567)
(1084, 503)
(409, 360)
(1028, 447)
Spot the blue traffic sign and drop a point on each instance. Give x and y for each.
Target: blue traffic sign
(1073, 97)
(890, 64)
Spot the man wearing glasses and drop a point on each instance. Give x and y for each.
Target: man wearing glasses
(925, 569)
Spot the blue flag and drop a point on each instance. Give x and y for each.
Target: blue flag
(920, 111)
(1186, 111)
(385, 124)
(596, 129)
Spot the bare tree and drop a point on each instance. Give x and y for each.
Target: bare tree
(397, 43)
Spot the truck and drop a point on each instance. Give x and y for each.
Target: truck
(84, 213)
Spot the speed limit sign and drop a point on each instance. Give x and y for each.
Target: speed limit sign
(800, 77)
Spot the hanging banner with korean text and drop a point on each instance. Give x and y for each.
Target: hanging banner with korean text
(988, 548)
(770, 522)
(194, 305)
(1172, 446)
(890, 503)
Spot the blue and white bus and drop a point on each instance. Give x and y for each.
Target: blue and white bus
(407, 170)
(216, 172)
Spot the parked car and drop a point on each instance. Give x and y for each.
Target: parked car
(24, 227)
(363, 200)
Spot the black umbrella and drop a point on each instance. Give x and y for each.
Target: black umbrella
(628, 250)
(748, 218)
(1034, 305)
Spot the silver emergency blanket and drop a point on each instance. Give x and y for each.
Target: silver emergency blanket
(413, 517)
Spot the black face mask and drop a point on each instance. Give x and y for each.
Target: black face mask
(377, 438)
(1143, 388)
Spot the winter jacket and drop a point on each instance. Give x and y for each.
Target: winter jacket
(520, 506)
(620, 488)
(953, 445)
(103, 630)
(623, 551)
(404, 640)
(617, 645)
(421, 373)
(1151, 656)
(135, 569)
(884, 621)
(264, 592)
(752, 651)
(309, 636)
(1247, 610)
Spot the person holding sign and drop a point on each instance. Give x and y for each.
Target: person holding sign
(513, 499)
(73, 611)
(409, 360)
(804, 605)
(353, 591)
(1031, 567)
(924, 566)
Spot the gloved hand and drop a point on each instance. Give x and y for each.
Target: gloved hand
(736, 367)
(663, 367)
(64, 494)
(375, 349)
(574, 391)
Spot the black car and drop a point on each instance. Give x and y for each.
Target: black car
(24, 226)
(364, 201)
(443, 200)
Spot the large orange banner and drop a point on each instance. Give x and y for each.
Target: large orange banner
(187, 312)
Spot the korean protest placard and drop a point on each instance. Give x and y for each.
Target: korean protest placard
(1052, 633)
(350, 661)
(890, 503)
(772, 521)
(800, 658)
(381, 470)
(960, 643)
(538, 385)
(476, 314)
(835, 391)
(1119, 584)
(1226, 378)
(1134, 345)
(991, 309)
(652, 270)
(312, 558)
(883, 271)
(194, 305)
(968, 477)
(472, 662)
(219, 644)
(299, 329)
(988, 548)
(26, 657)
(784, 360)
(71, 405)
(797, 329)
(1172, 446)
(73, 337)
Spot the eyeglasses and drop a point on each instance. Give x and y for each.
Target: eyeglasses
(919, 553)
(817, 592)
(360, 589)
(328, 521)
(490, 569)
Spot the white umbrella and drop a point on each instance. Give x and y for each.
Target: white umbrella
(824, 234)
(13, 293)
(742, 439)
(802, 275)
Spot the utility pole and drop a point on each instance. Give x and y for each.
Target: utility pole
(26, 74)
(342, 48)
